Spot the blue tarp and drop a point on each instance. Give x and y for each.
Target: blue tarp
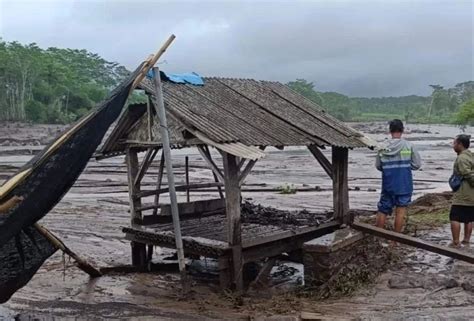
(185, 78)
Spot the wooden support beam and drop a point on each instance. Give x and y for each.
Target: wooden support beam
(179, 188)
(160, 180)
(216, 179)
(323, 161)
(206, 155)
(57, 243)
(150, 119)
(261, 281)
(340, 167)
(413, 241)
(219, 187)
(274, 245)
(138, 249)
(234, 236)
(248, 168)
(246, 171)
(186, 160)
(147, 160)
(242, 162)
(165, 219)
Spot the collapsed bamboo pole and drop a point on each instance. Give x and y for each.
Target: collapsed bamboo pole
(57, 243)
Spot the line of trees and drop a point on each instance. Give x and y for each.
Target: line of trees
(52, 85)
(452, 105)
(60, 85)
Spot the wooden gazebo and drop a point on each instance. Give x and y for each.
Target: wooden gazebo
(239, 118)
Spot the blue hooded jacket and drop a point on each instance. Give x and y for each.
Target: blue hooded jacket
(396, 163)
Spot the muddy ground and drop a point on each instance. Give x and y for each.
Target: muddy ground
(89, 219)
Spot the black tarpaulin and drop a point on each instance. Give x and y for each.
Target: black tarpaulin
(42, 183)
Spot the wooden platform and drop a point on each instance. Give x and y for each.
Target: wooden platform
(206, 236)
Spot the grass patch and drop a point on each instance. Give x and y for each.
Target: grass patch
(426, 221)
(287, 189)
(416, 222)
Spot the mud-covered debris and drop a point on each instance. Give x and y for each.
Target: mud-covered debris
(433, 199)
(258, 214)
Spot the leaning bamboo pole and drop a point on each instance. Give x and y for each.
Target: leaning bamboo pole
(160, 109)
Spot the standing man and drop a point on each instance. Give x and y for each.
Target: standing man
(396, 163)
(462, 208)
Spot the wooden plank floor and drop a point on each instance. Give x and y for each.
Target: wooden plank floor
(215, 228)
(208, 235)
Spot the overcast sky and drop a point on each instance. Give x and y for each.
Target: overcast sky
(359, 48)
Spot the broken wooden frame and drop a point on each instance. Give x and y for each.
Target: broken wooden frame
(235, 251)
(231, 175)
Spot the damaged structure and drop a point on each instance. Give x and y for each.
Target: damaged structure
(239, 118)
(230, 122)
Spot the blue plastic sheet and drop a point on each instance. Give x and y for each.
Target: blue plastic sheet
(185, 78)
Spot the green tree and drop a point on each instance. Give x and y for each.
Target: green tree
(334, 103)
(306, 89)
(52, 85)
(466, 113)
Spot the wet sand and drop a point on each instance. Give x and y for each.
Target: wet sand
(90, 217)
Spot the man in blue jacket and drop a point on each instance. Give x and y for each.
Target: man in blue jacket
(396, 163)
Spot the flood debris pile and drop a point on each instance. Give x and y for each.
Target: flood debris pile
(266, 215)
(432, 202)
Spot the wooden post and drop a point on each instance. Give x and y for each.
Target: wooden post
(160, 179)
(165, 139)
(340, 163)
(138, 249)
(225, 277)
(234, 236)
(186, 161)
(150, 119)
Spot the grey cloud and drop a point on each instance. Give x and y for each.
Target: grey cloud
(360, 48)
